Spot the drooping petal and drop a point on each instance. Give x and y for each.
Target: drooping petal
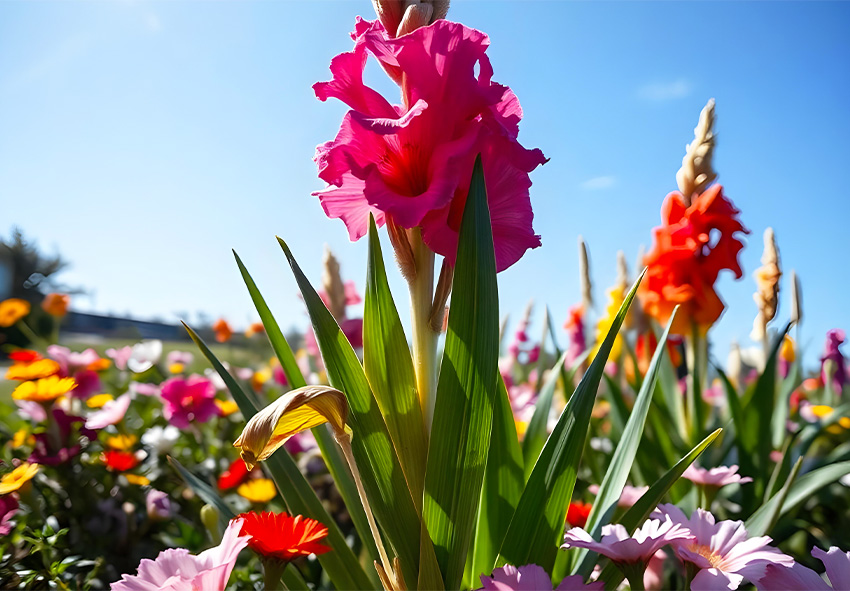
(837, 565)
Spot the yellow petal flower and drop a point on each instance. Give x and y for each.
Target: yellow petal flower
(788, 351)
(98, 400)
(292, 413)
(176, 368)
(12, 310)
(22, 437)
(260, 490)
(226, 407)
(33, 370)
(17, 478)
(137, 479)
(122, 442)
(45, 389)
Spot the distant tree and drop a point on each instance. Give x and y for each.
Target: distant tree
(32, 270)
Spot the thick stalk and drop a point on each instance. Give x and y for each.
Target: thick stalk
(693, 350)
(424, 337)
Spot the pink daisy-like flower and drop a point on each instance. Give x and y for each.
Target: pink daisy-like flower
(532, 578)
(799, 578)
(411, 164)
(111, 413)
(188, 400)
(723, 553)
(717, 477)
(621, 548)
(177, 570)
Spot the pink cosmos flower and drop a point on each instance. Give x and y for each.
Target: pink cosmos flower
(411, 164)
(799, 578)
(69, 361)
(120, 357)
(723, 552)
(30, 409)
(716, 477)
(628, 497)
(110, 413)
(620, 547)
(188, 400)
(177, 570)
(532, 578)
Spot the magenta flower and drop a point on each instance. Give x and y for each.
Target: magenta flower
(188, 400)
(177, 570)
(8, 508)
(109, 414)
(798, 577)
(71, 430)
(716, 477)
(532, 578)
(836, 369)
(412, 164)
(723, 552)
(621, 548)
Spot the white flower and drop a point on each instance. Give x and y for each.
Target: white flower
(145, 355)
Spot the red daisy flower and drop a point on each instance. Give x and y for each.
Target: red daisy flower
(281, 536)
(24, 356)
(120, 460)
(577, 513)
(235, 475)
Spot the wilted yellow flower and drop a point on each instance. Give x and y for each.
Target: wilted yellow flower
(121, 442)
(98, 400)
(33, 370)
(45, 389)
(56, 304)
(292, 413)
(12, 310)
(22, 437)
(176, 368)
(137, 479)
(259, 490)
(15, 479)
(226, 407)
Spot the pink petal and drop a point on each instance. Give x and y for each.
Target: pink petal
(712, 579)
(794, 578)
(837, 565)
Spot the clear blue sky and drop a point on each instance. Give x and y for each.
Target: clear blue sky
(143, 140)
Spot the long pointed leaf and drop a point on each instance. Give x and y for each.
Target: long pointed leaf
(330, 450)
(383, 479)
(762, 521)
(466, 390)
(389, 369)
(538, 522)
(342, 565)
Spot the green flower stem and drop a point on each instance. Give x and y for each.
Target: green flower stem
(634, 573)
(35, 340)
(424, 338)
(694, 349)
(272, 572)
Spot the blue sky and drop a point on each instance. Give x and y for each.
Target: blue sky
(143, 140)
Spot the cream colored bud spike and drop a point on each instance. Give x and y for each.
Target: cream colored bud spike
(696, 172)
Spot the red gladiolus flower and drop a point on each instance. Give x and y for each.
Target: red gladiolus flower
(120, 461)
(577, 513)
(693, 244)
(281, 536)
(233, 476)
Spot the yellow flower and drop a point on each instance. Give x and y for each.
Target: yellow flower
(56, 304)
(176, 368)
(137, 479)
(616, 295)
(45, 389)
(33, 370)
(226, 407)
(98, 400)
(122, 442)
(788, 351)
(259, 490)
(824, 410)
(295, 411)
(521, 428)
(22, 437)
(12, 310)
(15, 479)
(260, 377)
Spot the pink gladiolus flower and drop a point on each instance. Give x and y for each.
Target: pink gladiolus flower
(111, 413)
(621, 548)
(532, 578)
(717, 477)
(836, 369)
(188, 400)
(177, 570)
(723, 552)
(799, 578)
(412, 164)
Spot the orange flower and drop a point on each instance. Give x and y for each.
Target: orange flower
(281, 536)
(255, 328)
(56, 304)
(222, 330)
(32, 371)
(12, 310)
(693, 244)
(45, 389)
(99, 365)
(577, 513)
